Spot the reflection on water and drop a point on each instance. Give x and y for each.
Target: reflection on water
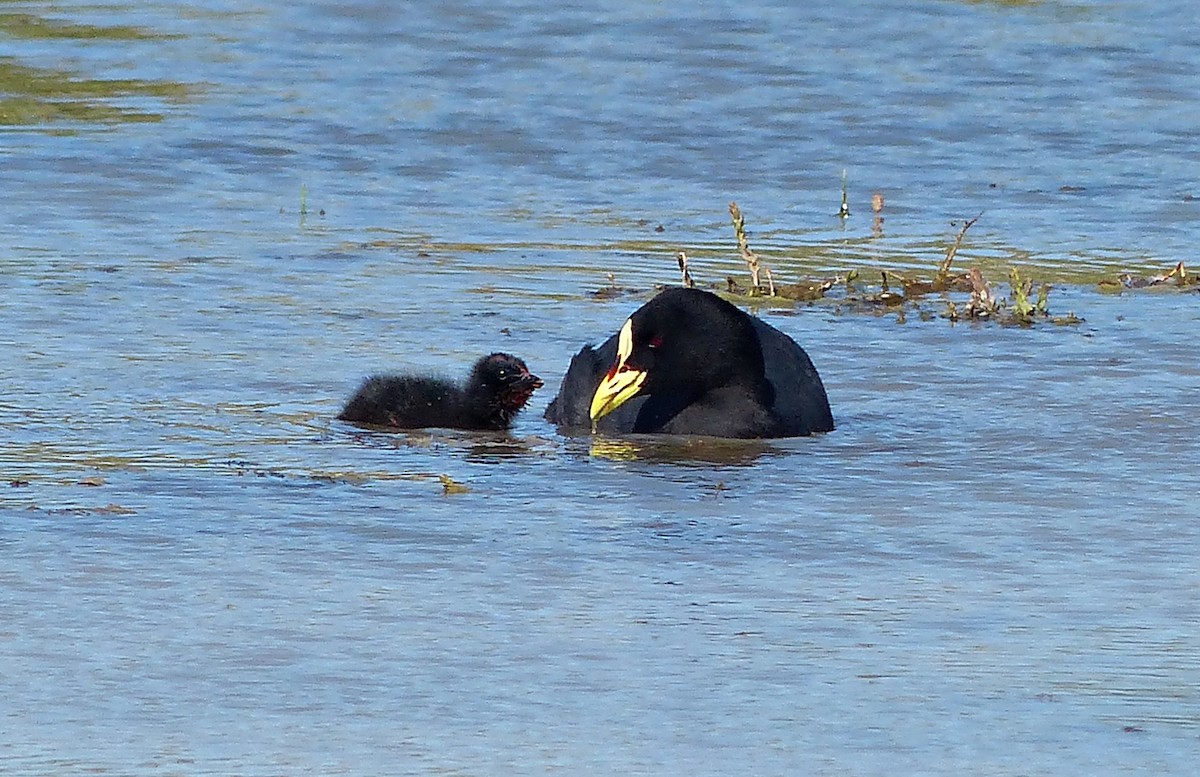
(988, 568)
(663, 449)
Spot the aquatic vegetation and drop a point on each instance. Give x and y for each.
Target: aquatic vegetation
(450, 486)
(964, 296)
(851, 275)
(32, 27)
(31, 96)
(1019, 311)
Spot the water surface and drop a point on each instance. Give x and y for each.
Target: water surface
(989, 568)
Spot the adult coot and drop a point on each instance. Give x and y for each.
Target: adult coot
(688, 362)
(498, 387)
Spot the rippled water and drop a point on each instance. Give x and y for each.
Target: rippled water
(989, 568)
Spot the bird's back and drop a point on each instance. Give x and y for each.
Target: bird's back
(404, 401)
(801, 404)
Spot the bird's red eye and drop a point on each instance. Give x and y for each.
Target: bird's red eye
(655, 342)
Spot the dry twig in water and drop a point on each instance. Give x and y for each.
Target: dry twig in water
(681, 257)
(944, 270)
(983, 303)
(739, 228)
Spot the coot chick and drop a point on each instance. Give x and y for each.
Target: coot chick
(688, 362)
(498, 387)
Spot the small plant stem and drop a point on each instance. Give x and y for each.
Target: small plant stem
(739, 228)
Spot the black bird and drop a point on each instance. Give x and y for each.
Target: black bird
(498, 387)
(688, 362)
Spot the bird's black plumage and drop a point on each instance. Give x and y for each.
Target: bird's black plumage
(693, 364)
(498, 387)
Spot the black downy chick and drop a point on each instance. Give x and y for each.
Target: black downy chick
(496, 390)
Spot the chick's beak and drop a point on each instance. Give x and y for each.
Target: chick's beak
(622, 383)
(526, 381)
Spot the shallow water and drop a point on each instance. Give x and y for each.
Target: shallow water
(989, 568)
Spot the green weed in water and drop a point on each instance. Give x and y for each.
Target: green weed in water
(33, 96)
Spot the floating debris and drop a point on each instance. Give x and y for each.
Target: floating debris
(1178, 278)
(613, 291)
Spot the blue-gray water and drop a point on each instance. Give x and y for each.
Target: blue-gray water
(988, 569)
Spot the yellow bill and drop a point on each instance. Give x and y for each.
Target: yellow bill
(622, 383)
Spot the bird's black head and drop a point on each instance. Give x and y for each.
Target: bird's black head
(503, 381)
(683, 342)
